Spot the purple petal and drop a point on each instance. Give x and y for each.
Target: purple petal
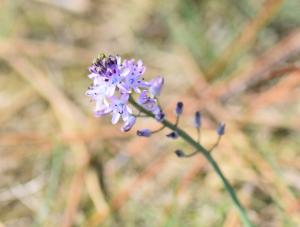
(111, 90)
(156, 86)
(128, 124)
(115, 118)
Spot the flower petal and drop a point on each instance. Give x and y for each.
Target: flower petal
(115, 118)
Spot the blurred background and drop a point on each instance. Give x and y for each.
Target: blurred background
(237, 61)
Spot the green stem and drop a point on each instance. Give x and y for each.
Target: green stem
(242, 212)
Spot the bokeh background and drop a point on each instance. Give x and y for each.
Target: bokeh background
(237, 61)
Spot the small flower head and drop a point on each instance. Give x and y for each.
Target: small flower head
(221, 129)
(119, 108)
(156, 85)
(113, 81)
(134, 79)
(144, 132)
(197, 120)
(173, 135)
(179, 108)
(179, 153)
(128, 124)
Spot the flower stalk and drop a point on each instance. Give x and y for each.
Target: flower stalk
(199, 148)
(114, 82)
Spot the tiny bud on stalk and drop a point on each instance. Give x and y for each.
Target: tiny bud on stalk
(179, 153)
(179, 108)
(198, 119)
(144, 133)
(221, 129)
(173, 135)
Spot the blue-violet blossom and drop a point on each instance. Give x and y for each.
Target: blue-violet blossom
(114, 80)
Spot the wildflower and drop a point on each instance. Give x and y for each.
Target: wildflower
(144, 98)
(108, 70)
(179, 108)
(156, 86)
(149, 103)
(197, 119)
(119, 108)
(134, 79)
(144, 132)
(113, 81)
(221, 129)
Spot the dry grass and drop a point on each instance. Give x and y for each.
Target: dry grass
(237, 61)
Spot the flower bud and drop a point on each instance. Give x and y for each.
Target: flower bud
(179, 108)
(128, 124)
(179, 153)
(173, 135)
(221, 129)
(156, 85)
(198, 119)
(144, 132)
(159, 116)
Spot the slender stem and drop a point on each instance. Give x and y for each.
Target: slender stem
(198, 135)
(215, 145)
(190, 155)
(243, 214)
(177, 121)
(158, 130)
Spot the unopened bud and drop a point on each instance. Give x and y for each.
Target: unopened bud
(179, 153)
(179, 108)
(173, 135)
(144, 132)
(221, 129)
(198, 119)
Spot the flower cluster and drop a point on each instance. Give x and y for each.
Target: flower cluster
(114, 81)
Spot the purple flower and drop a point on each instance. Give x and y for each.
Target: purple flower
(98, 92)
(98, 65)
(144, 132)
(143, 98)
(134, 79)
(108, 71)
(103, 65)
(156, 86)
(148, 103)
(221, 129)
(119, 108)
(113, 81)
(128, 124)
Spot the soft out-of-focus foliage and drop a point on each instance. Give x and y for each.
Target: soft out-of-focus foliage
(235, 60)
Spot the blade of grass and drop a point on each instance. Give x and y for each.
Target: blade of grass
(52, 186)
